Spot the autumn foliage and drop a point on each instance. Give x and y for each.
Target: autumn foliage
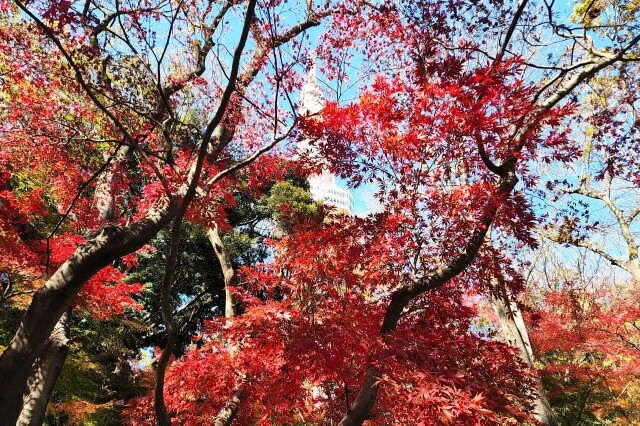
(44, 163)
(300, 349)
(118, 122)
(311, 325)
(589, 342)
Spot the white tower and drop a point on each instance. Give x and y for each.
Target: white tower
(323, 186)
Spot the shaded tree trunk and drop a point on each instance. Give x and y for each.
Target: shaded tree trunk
(48, 366)
(230, 277)
(364, 401)
(515, 333)
(229, 410)
(45, 373)
(55, 297)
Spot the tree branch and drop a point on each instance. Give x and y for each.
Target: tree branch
(512, 27)
(161, 410)
(87, 89)
(577, 242)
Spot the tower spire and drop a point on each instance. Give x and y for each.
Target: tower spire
(323, 186)
(311, 96)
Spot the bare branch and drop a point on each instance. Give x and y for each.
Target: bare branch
(248, 160)
(579, 242)
(487, 161)
(586, 73)
(623, 223)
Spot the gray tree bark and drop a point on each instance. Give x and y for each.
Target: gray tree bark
(229, 273)
(104, 186)
(45, 373)
(516, 335)
(632, 266)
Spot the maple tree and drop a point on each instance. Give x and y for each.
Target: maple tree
(425, 141)
(118, 144)
(587, 340)
(592, 200)
(153, 113)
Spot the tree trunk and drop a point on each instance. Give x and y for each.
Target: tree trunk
(632, 266)
(230, 277)
(55, 297)
(229, 410)
(104, 188)
(49, 363)
(45, 373)
(363, 404)
(515, 332)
